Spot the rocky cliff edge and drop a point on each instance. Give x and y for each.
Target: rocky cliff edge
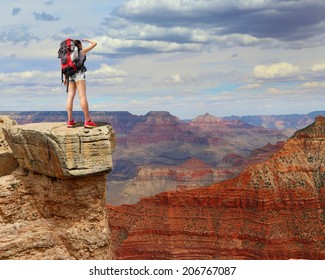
(52, 206)
(53, 150)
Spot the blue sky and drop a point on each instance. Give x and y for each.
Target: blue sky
(188, 57)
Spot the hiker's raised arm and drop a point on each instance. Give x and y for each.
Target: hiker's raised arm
(92, 45)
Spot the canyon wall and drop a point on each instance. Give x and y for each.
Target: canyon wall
(53, 205)
(193, 173)
(162, 142)
(272, 210)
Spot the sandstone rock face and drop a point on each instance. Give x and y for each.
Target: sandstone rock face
(53, 206)
(46, 218)
(7, 161)
(273, 210)
(54, 150)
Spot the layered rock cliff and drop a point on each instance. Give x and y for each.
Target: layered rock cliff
(53, 205)
(162, 141)
(272, 210)
(193, 173)
(152, 180)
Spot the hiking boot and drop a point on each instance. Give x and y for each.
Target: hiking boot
(71, 123)
(89, 124)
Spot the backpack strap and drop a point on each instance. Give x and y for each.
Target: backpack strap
(61, 76)
(67, 80)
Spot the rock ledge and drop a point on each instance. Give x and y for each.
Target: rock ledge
(54, 150)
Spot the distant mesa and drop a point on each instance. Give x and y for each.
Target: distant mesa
(206, 118)
(160, 117)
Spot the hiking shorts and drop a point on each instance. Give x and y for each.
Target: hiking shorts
(79, 76)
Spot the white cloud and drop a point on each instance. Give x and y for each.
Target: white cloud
(318, 67)
(180, 79)
(105, 75)
(28, 77)
(185, 77)
(243, 40)
(279, 91)
(276, 70)
(177, 79)
(123, 47)
(106, 71)
(251, 86)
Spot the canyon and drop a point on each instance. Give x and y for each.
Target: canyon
(272, 210)
(163, 142)
(154, 143)
(53, 196)
(193, 173)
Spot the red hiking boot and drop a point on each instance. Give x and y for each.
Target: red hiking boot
(89, 124)
(71, 124)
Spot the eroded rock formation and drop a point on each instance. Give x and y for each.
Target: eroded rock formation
(53, 205)
(193, 173)
(272, 210)
(53, 150)
(7, 161)
(162, 141)
(152, 180)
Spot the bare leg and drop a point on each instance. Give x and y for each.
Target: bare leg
(71, 95)
(81, 86)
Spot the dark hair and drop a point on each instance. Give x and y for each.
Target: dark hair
(78, 43)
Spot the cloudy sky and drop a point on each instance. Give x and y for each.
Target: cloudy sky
(188, 57)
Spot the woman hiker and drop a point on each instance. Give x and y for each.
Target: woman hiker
(78, 82)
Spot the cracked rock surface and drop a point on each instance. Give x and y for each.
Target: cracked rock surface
(54, 150)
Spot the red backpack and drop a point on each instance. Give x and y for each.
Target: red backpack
(70, 62)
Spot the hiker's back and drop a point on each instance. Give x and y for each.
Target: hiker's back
(72, 60)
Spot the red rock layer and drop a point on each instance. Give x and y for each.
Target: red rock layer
(273, 210)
